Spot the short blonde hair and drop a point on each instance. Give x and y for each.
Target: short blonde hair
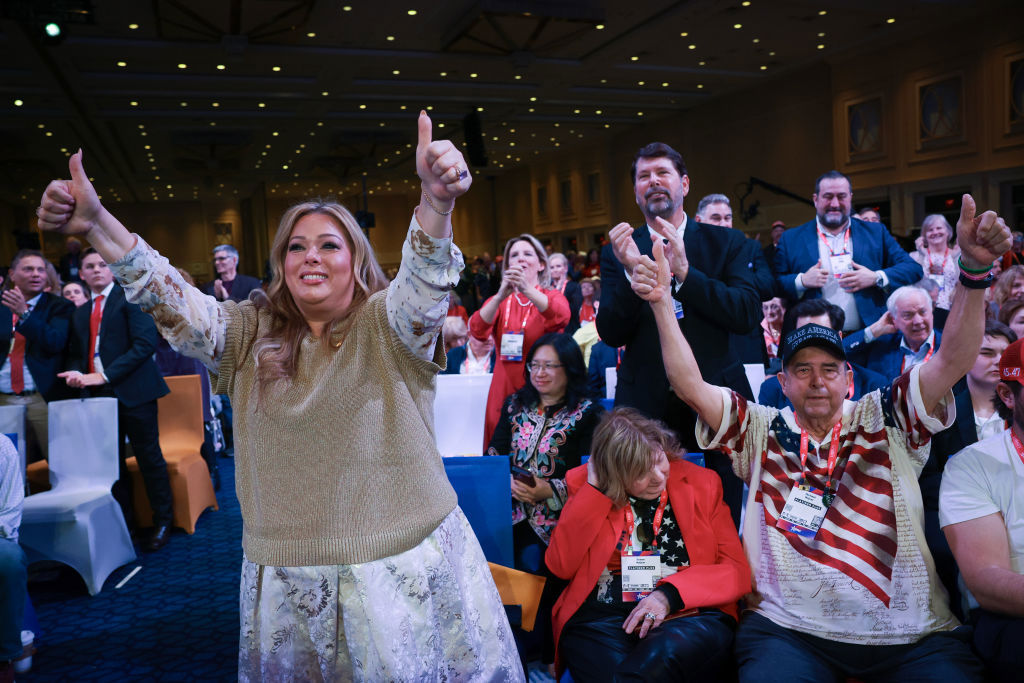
(623, 450)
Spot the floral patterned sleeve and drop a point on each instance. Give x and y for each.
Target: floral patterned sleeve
(192, 322)
(417, 300)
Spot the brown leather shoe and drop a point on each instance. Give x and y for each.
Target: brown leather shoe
(161, 534)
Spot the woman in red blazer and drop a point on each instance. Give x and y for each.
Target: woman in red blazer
(683, 629)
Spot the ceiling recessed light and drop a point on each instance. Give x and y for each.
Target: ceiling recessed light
(821, 46)
(133, 26)
(519, 77)
(221, 67)
(444, 74)
(757, 40)
(639, 113)
(275, 134)
(700, 86)
(183, 66)
(390, 38)
(261, 105)
(640, 82)
(745, 3)
(891, 20)
(134, 103)
(472, 75)
(311, 34)
(822, 13)
(324, 93)
(737, 26)
(664, 85)
(275, 68)
(18, 103)
(347, 8)
(533, 99)
(362, 106)
(692, 47)
(479, 108)
(634, 58)
(821, 34)
(395, 72)
(412, 13)
(122, 63)
(216, 104)
(600, 27)
(764, 67)
(684, 34)
(184, 104)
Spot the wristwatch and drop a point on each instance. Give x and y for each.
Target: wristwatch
(880, 280)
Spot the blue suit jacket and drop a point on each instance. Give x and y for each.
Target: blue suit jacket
(127, 342)
(46, 336)
(456, 356)
(873, 247)
(864, 382)
(883, 355)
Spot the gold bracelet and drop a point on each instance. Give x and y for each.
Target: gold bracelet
(436, 210)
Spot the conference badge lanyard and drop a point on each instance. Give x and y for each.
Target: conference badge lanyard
(927, 356)
(806, 506)
(937, 273)
(641, 569)
(838, 262)
(1016, 444)
(512, 342)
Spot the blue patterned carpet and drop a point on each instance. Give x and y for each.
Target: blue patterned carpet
(175, 620)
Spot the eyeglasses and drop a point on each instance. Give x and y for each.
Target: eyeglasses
(546, 367)
(221, 258)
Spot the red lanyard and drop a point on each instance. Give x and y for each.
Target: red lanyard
(1017, 444)
(833, 451)
(846, 242)
(508, 313)
(931, 264)
(658, 514)
(903, 365)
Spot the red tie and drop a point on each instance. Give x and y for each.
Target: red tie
(94, 328)
(17, 360)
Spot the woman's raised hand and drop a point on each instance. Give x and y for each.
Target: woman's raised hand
(440, 165)
(70, 207)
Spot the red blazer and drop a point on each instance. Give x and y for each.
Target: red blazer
(589, 527)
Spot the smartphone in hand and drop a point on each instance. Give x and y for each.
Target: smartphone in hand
(524, 476)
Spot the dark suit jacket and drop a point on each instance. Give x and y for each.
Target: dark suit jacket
(46, 333)
(575, 298)
(864, 382)
(882, 355)
(873, 247)
(240, 287)
(719, 296)
(127, 342)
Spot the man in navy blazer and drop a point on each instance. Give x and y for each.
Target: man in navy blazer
(852, 263)
(122, 366)
(43, 320)
(715, 292)
(900, 339)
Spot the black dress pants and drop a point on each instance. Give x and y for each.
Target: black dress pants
(139, 424)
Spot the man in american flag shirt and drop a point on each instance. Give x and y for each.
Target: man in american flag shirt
(844, 584)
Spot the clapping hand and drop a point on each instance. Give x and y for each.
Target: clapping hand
(675, 250)
(624, 247)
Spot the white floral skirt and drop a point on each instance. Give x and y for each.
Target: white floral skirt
(431, 613)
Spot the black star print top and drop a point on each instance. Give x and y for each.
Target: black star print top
(606, 598)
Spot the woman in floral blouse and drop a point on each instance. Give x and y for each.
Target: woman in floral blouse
(546, 426)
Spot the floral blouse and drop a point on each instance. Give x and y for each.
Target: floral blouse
(549, 442)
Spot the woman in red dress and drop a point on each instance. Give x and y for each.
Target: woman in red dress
(522, 311)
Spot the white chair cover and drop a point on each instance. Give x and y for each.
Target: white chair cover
(611, 381)
(78, 522)
(755, 375)
(12, 421)
(459, 408)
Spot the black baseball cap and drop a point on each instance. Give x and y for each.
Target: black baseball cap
(812, 335)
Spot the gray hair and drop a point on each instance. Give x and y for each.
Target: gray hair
(712, 199)
(226, 247)
(932, 218)
(901, 293)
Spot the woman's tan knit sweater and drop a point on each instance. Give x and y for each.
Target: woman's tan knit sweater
(339, 466)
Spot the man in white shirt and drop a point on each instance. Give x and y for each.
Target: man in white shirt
(981, 509)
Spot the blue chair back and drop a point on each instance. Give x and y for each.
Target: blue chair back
(484, 487)
(696, 457)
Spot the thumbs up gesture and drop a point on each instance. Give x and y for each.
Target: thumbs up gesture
(70, 207)
(982, 239)
(440, 165)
